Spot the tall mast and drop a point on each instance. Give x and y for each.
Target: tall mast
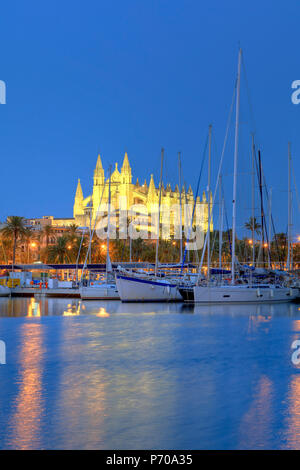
(180, 204)
(261, 210)
(270, 227)
(221, 208)
(288, 262)
(159, 203)
(208, 206)
(236, 141)
(253, 201)
(108, 225)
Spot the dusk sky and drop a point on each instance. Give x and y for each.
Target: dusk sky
(85, 77)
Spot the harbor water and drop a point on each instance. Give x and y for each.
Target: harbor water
(107, 375)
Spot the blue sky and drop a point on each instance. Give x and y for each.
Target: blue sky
(94, 76)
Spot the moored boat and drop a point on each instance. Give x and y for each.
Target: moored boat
(134, 288)
(99, 292)
(244, 294)
(4, 291)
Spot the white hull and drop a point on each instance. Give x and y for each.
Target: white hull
(105, 292)
(143, 290)
(4, 291)
(243, 294)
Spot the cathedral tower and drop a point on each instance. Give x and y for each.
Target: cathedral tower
(78, 208)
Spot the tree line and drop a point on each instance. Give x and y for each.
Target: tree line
(23, 244)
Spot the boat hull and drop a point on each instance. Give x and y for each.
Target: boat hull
(242, 294)
(99, 293)
(143, 290)
(4, 291)
(187, 293)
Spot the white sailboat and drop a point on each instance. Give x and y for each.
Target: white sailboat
(237, 292)
(4, 291)
(106, 290)
(136, 287)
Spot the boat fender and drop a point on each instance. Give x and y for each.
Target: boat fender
(271, 292)
(168, 290)
(291, 292)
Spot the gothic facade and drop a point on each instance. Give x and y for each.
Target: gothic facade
(124, 191)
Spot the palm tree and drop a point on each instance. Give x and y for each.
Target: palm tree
(72, 231)
(61, 251)
(14, 227)
(253, 225)
(27, 237)
(47, 232)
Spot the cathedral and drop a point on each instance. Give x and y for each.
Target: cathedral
(123, 189)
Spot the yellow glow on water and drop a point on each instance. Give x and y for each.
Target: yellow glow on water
(34, 309)
(26, 420)
(293, 421)
(102, 313)
(72, 310)
(256, 424)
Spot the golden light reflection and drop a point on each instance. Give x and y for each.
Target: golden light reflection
(296, 325)
(256, 424)
(293, 421)
(73, 310)
(34, 308)
(26, 420)
(102, 313)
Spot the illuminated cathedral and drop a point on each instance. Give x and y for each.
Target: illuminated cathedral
(123, 190)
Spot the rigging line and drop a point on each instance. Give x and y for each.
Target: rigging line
(218, 176)
(226, 219)
(195, 202)
(249, 96)
(296, 188)
(92, 233)
(272, 222)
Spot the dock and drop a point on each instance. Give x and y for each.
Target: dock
(33, 291)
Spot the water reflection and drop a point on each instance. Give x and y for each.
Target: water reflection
(25, 424)
(43, 306)
(292, 434)
(148, 375)
(256, 424)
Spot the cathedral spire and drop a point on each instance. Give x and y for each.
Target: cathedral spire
(99, 164)
(125, 165)
(126, 171)
(79, 194)
(151, 185)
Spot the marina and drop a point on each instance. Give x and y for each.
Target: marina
(149, 230)
(90, 375)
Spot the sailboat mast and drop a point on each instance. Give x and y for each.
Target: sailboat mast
(261, 210)
(236, 141)
(159, 204)
(108, 224)
(221, 207)
(253, 201)
(270, 227)
(288, 263)
(208, 206)
(180, 205)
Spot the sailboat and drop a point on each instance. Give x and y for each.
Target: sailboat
(236, 291)
(107, 289)
(141, 287)
(4, 291)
